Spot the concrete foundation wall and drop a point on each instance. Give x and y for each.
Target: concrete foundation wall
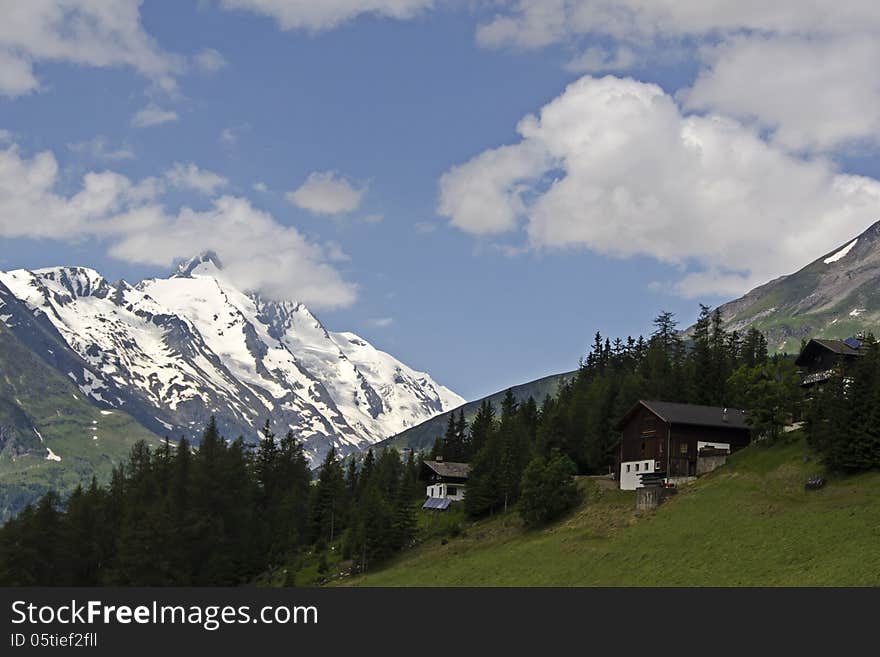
(706, 464)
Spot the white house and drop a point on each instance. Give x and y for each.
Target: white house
(446, 480)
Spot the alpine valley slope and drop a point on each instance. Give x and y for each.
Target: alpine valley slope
(836, 296)
(51, 437)
(172, 352)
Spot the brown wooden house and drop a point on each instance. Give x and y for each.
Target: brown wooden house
(669, 438)
(820, 359)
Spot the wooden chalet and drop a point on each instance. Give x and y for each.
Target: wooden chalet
(446, 480)
(820, 359)
(677, 441)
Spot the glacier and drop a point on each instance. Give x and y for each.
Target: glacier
(174, 351)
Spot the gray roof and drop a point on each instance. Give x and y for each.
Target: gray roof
(835, 346)
(694, 414)
(450, 468)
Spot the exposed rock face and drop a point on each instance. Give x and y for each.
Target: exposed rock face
(836, 296)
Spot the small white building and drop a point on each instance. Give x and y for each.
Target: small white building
(446, 480)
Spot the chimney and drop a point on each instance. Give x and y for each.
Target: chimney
(724, 415)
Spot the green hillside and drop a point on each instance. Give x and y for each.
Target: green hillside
(422, 436)
(749, 523)
(35, 398)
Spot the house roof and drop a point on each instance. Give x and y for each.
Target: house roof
(692, 414)
(450, 468)
(841, 347)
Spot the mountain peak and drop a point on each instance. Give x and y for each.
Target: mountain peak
(206, 261)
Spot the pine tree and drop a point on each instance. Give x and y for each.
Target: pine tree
(483, 425)
(451, 446)
(327, 520)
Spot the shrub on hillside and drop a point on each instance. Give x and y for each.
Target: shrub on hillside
(548, 489)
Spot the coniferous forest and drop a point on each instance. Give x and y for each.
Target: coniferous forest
(228, 513)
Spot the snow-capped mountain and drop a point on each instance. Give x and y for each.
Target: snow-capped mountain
(836, 296)
(171, 352)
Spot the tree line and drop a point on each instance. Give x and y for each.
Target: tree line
(221, 514)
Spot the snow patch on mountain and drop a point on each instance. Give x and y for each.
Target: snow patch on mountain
(840, 254)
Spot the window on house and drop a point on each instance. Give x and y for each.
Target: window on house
(451, 490)
(637, 467)
(683, 448)
(646, 466)
(627, 467)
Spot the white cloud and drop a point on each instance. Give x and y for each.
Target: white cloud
(538, 23)
(99, 148)
(189, 176)
(327, 193)
(374, 218)
(805, 70)
(209, 60)
(258, 252)
(260, 186)
(614, 166)
(29, 207)
(327, 14)
(814, 94)
(152, 115)
(81, 32)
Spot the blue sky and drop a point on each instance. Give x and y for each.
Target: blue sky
(375, 159)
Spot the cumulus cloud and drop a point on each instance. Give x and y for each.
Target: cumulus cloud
(81, 32)
(190, 176)
(327, 14)
(99, 148)
(813, 94)
(327, 193)
(380, 322)
(538, 23)
(152, 115)
(804, 70)
(615, 166)
(258, 252)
